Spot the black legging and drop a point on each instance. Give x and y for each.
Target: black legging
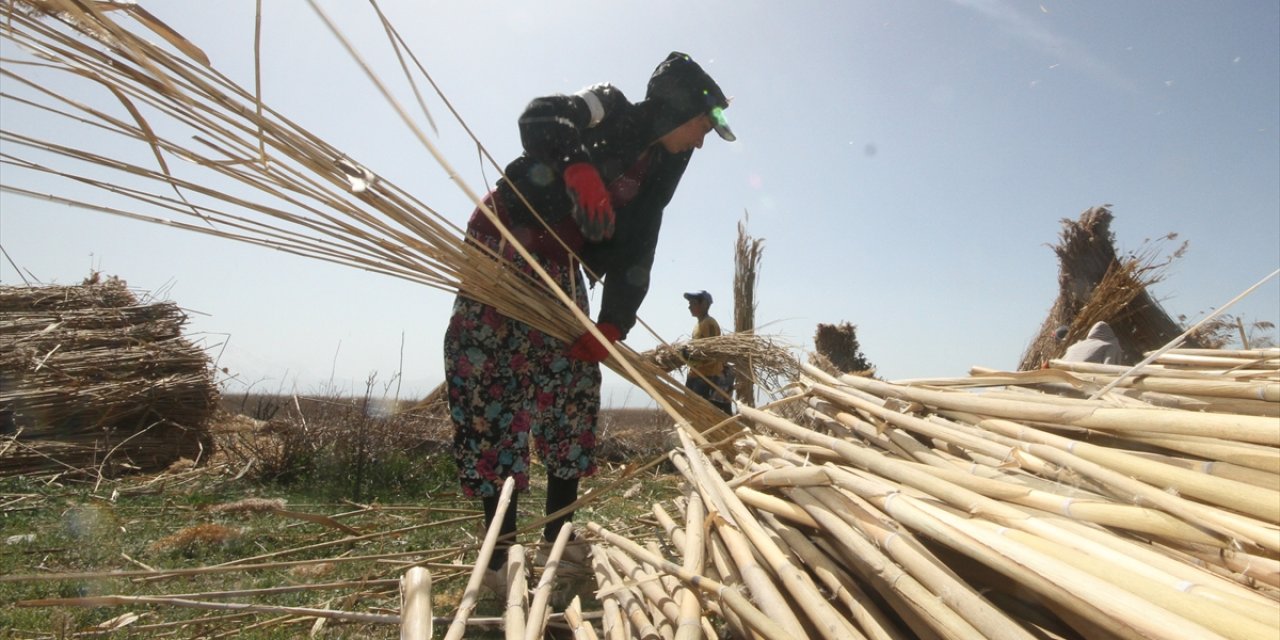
(560, 494)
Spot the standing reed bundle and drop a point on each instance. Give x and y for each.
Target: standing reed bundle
(1095, 283)
(92, 377)
(746, 259)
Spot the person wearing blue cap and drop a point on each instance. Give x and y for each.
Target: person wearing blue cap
(587, 193)
(707, 375)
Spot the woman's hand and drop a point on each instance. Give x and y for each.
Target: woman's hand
(588, 349)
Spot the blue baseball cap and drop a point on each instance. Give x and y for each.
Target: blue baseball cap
(698, 295)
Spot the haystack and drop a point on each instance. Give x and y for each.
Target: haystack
(836, 350)
(94, 378)
(1095, 284)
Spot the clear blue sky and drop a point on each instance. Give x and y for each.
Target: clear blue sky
(907, 164)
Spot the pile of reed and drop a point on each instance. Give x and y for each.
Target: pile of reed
(997, 505)
(1002, 505)
(1096, 284)
(93, 378)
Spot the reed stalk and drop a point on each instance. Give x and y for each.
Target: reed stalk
(613, 622)
(472, 591)
(415, 607)
(641, 623)
(540, 607)
(693, 548)
(517, 596)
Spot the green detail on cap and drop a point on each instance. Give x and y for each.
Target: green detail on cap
(717, 115)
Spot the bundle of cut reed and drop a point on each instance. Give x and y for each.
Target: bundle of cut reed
(1001, 505)
(92, 377)
(762, 360)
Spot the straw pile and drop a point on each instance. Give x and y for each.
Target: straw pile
(1096, 284)
(1020, 511)
(93, 377)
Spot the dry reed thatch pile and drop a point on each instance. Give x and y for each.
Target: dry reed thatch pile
(1022, 511)
(1095, 284)
(91, 377)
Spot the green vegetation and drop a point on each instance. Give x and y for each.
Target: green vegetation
(326, 505)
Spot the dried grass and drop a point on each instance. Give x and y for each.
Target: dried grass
(762, 361)
(192, 539)
(249, 505)
(1096, 284)
(96, 380)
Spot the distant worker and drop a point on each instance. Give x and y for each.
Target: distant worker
(705, 373)
(1100, 346)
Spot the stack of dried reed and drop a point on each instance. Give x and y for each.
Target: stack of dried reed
(1095, 284)
(1000, 505)
(93, 376)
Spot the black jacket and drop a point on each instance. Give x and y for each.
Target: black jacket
(597, 125)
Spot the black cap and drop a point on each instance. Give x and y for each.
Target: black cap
(685, 91)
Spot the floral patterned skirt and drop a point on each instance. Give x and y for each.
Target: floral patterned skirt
(509, 383)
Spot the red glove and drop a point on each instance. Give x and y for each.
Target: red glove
(588, 349)
(591, 206)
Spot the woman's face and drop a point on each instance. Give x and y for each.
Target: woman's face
(687, 136)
